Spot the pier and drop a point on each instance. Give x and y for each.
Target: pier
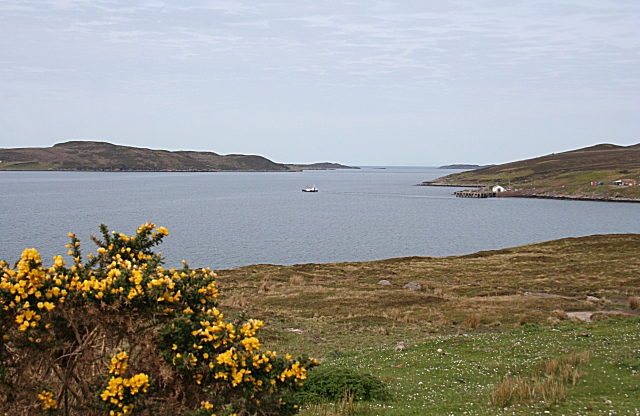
(472, 193)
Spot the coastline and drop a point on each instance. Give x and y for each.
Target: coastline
(452, 185)
(530, 194)
(570, 198)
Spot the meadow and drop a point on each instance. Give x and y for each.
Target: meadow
(488, 319)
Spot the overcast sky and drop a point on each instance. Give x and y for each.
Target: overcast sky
(357, 82)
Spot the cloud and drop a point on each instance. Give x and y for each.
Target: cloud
(353, 55)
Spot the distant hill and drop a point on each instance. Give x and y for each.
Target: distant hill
(471, 167)
(100, 156)
(562, 174)
(320, 166)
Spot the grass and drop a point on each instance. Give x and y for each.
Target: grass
(28, 166)
(545, 383)
(340, 306)
(494, 316)
(463, 378)
(564, 174)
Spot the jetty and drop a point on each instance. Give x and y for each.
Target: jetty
(475, 193)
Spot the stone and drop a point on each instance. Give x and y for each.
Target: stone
(592, 298)
(401, 346)
(413, 286)
(384, 282)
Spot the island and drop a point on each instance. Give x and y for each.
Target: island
(464, 167)
(604, 172)
(108, 157)
(320, 166)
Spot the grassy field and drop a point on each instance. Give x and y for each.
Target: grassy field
(489, 312)
(461, 379)
(319, 307)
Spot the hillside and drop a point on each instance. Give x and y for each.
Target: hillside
(100, 156)
(567, 174)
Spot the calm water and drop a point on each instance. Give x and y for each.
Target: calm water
(223, 220)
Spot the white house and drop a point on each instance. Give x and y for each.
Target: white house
(498, 188)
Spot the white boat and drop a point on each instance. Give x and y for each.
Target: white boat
(310, 189)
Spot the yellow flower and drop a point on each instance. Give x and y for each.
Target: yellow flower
(48, 402)
(119, 363)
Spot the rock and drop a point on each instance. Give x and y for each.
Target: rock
(581, 316)
(296, 330)
(384, 282)
(401, 346)
(592, 298)
(413, 286)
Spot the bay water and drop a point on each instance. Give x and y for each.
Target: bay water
(227, 219)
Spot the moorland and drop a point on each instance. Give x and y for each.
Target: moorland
(588, 173)
(101, 156)
(477, 319)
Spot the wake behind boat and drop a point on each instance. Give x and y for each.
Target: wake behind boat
(310, 189)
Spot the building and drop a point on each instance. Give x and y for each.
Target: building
(626, 182)
(498, 188)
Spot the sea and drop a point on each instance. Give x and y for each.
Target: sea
(224, 220)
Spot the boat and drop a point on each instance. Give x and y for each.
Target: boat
(310, 189)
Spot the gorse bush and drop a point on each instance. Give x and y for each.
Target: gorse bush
(119, 334)
(326, 383)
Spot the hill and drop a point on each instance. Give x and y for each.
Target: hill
(567, 174)
(100, 156)
(463, 166)
(320, 166)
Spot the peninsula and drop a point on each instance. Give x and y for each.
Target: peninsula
(101, 156)
(603, 172)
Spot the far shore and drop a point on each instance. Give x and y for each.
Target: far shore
(529, 193)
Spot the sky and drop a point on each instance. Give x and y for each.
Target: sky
(357, 82)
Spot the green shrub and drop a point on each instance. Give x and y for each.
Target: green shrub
(330, 383)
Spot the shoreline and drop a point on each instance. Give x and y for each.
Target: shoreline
(451, 185)
(571, 198)
(291, 169)
(526, 194)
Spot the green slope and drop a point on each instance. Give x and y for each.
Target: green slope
(562, 174)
